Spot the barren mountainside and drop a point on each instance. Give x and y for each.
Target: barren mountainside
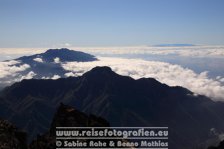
(121, 100)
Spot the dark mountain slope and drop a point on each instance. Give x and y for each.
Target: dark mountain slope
(11, 137)
(122, 101)
(220, 146)
(66, 116)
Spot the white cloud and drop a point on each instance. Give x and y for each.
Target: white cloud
(21, 51)
(55, 77)
(57, 60)
(221, 80)
(173, 75)
(38, 60)
(218, 77)
(10, 68)
(30, 75)
(65, 44)
(70, 74)
(192, 51)
(45, 77)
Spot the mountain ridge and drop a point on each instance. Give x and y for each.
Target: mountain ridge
(45, 65)
(65, 55)
(121, 100)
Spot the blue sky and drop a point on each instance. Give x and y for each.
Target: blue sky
(46, 23)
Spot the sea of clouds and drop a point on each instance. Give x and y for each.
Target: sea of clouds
(173, 74)
(170, 74)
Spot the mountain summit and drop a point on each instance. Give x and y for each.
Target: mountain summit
(63, 54)
(121, 100)
(45, 65)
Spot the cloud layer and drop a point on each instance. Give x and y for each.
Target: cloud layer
(11, 68)
(173, 75)
(164, 72)
(193, 51)
(57, 60)
(38, 60)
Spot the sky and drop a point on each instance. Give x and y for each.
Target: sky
(58, 23)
